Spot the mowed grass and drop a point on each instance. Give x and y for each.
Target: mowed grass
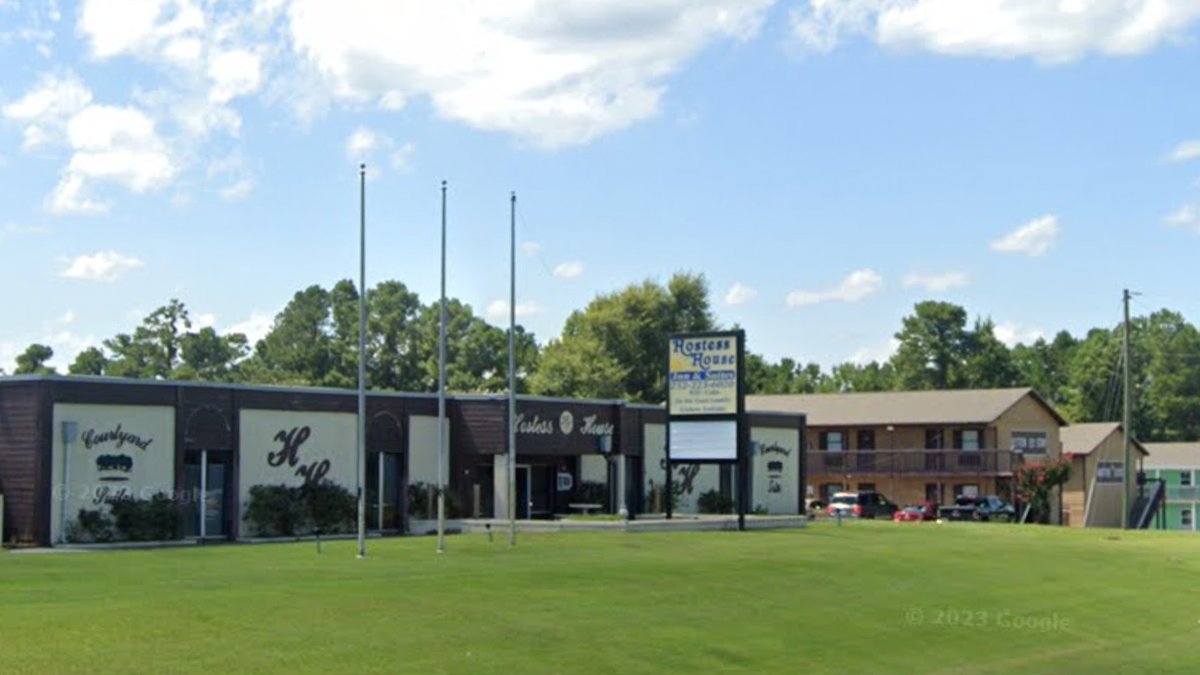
(867, 597)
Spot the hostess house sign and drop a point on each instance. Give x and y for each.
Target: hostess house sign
(704, 396)
(107, 453)
(297, 448)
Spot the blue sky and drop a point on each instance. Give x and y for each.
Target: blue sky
(825, 164)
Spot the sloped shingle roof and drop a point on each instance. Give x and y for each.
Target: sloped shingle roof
(1172, 455)
(960, 406)
(1084, 438)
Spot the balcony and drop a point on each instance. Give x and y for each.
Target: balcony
(914, 462)
(1183, 494)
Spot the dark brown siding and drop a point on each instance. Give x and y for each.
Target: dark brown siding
(206, 418)
(478, 427)
(20, 442)
(560, 441)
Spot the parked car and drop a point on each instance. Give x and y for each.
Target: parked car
(978, 507)
(861, 504)
(916, 513)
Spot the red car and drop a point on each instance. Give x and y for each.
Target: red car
(915, 513)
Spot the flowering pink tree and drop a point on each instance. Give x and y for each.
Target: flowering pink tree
(1037, 481)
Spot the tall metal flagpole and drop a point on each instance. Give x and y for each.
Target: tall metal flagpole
(362, 360)
(512, 374)
(441, 471)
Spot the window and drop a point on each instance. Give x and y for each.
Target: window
(866, 487)
(866, 439)
(1029, 442)
(1110, 472)
(833, 441)
(971, 439)
(1185, 479)
(1185, 517)
(933, 439)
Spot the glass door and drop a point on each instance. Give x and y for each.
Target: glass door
(524, 492)
(384, 478)
(207, 475)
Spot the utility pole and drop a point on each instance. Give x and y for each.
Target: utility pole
(1126, 419)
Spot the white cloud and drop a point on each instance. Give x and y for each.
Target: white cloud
(238, 178)
(1013, 334)
(936, 283)
(255, 327)
(1052, 31)
(554, 72)
(529, 247)
(47, 108)
(568, 270)
(1187, 215)
(205, 320)
(361, 143)
(68, 317)
(139, 27)
(235, 72)
(17, 230)
(364, 143)
(106, 266)
(877, 354)
(857, 286)
(498, 310)
(1032, 239)
(238, 191)
(116, 145)
(1185, 151)
(739, 294)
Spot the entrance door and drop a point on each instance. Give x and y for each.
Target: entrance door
(207, 482)
(524, 491)
(384, 478)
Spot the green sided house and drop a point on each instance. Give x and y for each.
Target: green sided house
(1092, 497)
(1178, 464)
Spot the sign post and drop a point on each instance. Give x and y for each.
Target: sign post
(706, 407)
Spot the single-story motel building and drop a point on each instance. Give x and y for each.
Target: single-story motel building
(74, 443)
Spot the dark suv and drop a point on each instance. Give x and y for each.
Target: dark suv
(861, 504)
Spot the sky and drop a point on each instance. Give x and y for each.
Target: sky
(825, 164)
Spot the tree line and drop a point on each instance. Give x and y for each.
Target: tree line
(615, 348)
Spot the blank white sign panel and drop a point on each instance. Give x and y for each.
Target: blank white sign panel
(703, 441)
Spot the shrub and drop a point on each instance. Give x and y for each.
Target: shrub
(422, 502)
(330, 507)
(714, 501)
(91, 525)
(282, 511)
(154, 519)
(274, 511)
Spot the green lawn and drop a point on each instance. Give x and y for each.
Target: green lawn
(874, 598)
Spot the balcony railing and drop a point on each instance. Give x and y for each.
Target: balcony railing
(913, 462)
(1183, 494)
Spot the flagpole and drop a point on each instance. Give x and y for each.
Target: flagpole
(362, 360)
(512, 374)
(441, 470)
